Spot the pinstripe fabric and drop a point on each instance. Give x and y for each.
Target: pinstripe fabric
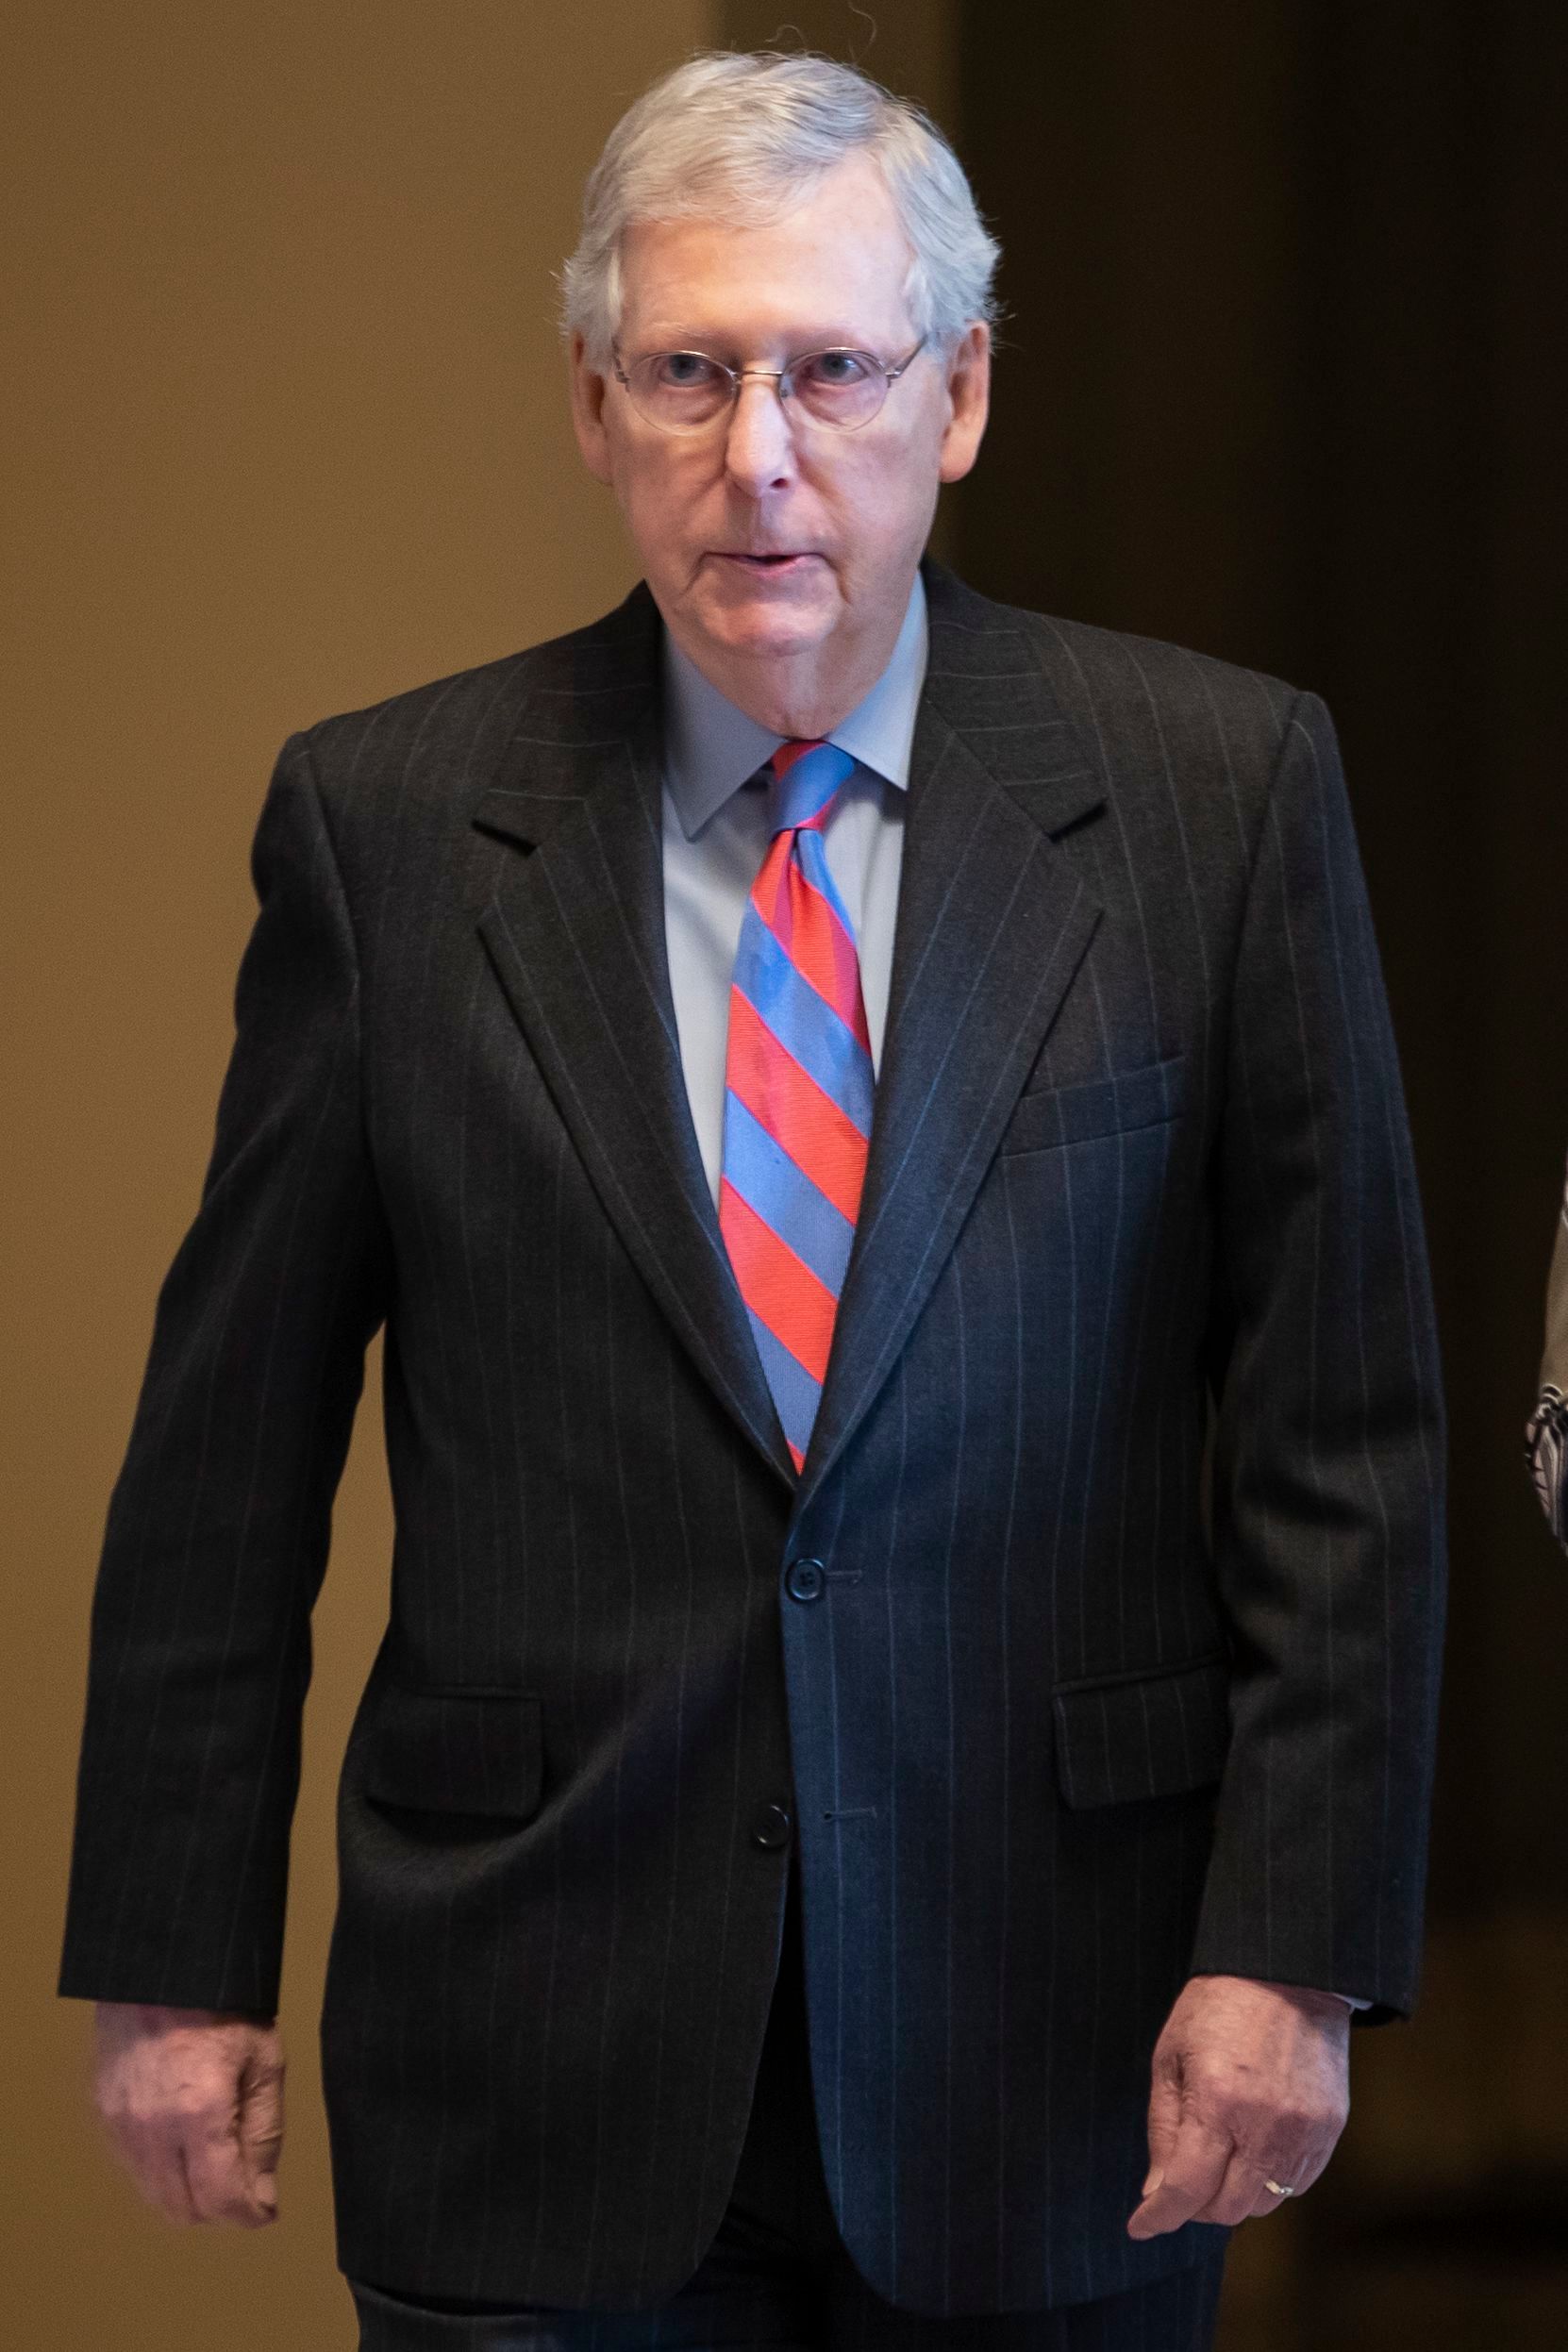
(717, 2313)
(777, 2272)
(798, 1092)
(1040, 1729)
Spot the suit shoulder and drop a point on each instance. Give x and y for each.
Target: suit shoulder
(1190, 746)
(1177, 728)
(1114, 672)
(1109, 679)
(458, 725)
(404, 717)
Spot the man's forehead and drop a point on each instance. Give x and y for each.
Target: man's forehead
(819, 264)
(732, 334)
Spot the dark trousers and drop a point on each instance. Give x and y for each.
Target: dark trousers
(777, 2274)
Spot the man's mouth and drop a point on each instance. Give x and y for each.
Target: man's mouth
(777, 561)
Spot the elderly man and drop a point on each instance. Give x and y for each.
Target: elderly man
(870, 1119)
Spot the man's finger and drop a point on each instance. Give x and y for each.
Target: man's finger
(150, 2153)
(161, 2179)
(1189, 2179)
(189, 2212)
(1164, 2121)
(1296, 2167)
(1240, 2195)
(215, 2166)
(1290, 2162)
(260, 2130)
(1269, 2201)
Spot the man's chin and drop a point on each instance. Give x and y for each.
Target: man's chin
(764, 626)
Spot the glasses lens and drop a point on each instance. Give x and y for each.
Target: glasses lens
(842, 388)
(679, 389)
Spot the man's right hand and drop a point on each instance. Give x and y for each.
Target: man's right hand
(193, 2099)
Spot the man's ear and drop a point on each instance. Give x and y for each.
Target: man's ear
(969, 395)
(588, 411)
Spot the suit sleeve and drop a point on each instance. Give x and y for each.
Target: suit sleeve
(1329, 1444)
(218, 1528)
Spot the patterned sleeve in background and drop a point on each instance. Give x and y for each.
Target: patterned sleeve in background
(1546, 1436)
(1546, 1444)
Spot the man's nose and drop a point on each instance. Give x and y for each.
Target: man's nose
(760, 450)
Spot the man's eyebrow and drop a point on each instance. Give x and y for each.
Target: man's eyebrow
(720, 342)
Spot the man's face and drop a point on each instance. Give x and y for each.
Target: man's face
(780, 551)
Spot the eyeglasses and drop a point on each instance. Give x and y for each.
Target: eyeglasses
(683, 391)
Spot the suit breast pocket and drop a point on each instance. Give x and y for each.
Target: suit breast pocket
(480, 1753)
(1050, 1116)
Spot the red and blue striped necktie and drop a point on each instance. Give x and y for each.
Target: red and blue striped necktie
(798, 1088)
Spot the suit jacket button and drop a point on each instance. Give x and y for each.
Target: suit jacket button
(803, 1580)
(770, 1825)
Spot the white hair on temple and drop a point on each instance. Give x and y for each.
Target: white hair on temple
(745, 134)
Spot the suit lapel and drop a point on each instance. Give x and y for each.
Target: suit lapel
(993, 924)
(576, 931)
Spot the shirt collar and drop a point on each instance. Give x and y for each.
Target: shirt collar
(711, 748)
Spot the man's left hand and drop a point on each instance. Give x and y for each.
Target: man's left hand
(1251, 2084)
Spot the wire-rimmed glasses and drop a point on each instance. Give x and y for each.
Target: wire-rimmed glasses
(684, 391)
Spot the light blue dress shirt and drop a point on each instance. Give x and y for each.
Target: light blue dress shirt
(716, 837)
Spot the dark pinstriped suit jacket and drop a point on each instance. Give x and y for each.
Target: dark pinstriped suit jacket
(1044, 1732)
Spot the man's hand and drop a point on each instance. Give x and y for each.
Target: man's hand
(193, 2102)
(1251, 2084)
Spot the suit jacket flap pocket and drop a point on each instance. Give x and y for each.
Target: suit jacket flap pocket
(456, 1751)
(1151, 1734)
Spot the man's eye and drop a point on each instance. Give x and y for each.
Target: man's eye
(833, 371)
(687, 371)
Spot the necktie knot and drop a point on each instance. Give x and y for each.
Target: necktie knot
(803, 778)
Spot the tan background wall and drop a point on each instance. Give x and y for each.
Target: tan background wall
(287, 430)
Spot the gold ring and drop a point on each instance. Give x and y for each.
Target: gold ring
(1276, 2189)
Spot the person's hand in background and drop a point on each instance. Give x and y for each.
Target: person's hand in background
(1546, 1437)
(193, 2100)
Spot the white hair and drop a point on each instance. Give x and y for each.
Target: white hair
(744, 135)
